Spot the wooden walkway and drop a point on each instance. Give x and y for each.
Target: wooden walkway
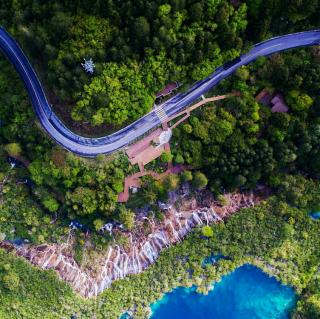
(188, 110)
(142, 152)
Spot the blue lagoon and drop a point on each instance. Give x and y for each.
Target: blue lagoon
(246, 293)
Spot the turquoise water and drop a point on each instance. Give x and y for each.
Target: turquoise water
(315, 215)
(246, 293)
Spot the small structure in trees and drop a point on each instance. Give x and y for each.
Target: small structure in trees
(279, 105)
(275, 101)
(88, 66)
(170, 88)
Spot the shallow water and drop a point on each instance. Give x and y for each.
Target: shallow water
(315, 215)
(246, 293)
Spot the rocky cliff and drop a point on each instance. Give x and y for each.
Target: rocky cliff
(143, 250)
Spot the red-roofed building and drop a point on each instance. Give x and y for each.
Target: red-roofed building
(264, 97)
(279, 105)
(168, 89)
(275, 101)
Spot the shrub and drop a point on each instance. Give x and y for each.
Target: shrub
(200, 180)
(207, 231)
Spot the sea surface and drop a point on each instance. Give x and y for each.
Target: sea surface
(246, 293)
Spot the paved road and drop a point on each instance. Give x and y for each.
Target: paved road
(92, 146)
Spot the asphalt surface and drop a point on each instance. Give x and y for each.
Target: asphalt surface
(93, 146)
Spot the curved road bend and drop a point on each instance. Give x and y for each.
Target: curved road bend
(93, 146)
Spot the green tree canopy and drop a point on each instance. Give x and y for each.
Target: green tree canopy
(186, 176)
(199, 180)
(13, 149)
(299, 101)
(108, 97)
(126, 217)
(98, 224)
(83, 200)
(171, 182)
(207, 231)
(166, 157)
(51, 204)
(11, 280)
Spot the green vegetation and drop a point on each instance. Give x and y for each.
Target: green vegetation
(309, 306)
(239, 142)
(120, 94)
(186, 176)
(166, 157)
(280, 239)
(13, 149)
(207, 231)
(153, 190)
(199, 180)
(138, 47)
(27, 292)
(126, 217)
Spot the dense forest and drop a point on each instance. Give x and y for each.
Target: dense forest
(240, 142)
(137, 48)
(231, 145)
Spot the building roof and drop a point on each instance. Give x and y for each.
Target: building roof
(279, 105)
(168, 89)
(276, 102)
(264, 97)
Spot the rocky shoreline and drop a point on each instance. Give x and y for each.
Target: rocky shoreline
(142, 250)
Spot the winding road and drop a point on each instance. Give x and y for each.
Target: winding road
(91, 147)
